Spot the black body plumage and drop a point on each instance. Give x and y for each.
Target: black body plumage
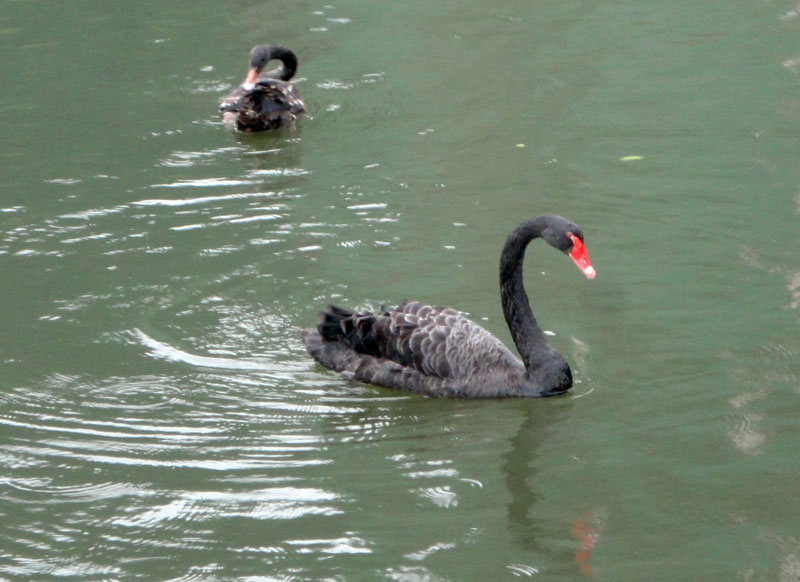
(265, 100)
(437, 351)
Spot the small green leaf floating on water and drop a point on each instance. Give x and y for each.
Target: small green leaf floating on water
(631, 158)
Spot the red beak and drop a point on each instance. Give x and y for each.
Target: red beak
(578, 255)
(251, 77)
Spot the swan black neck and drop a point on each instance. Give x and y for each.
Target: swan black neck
(528, 337)
(262, 54)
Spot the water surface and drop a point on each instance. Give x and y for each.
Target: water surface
(160, 419)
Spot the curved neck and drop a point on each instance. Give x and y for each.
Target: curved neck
(525, 332)
(289, 67)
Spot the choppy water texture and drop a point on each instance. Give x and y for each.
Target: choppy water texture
(159, 417)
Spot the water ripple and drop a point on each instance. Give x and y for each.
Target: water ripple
(745, 432)
(164, 351)
(523, 570)
(343, 545)
(202, 199)
(440, 496)
(204, 183)
(270, 503)
(429, 551)
(86, 492)
(192, 158)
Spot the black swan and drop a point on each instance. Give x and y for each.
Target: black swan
(264, 100)
(438, 352)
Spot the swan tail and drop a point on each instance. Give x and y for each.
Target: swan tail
(355, 330)
(339, 357)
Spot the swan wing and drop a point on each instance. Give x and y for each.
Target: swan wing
(441, 342)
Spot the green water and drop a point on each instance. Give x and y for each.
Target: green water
(159, 418)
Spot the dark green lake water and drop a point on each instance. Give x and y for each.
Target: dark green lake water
(159, 418)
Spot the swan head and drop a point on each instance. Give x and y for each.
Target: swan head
(552, 376)
(259, 56)
(567, 237)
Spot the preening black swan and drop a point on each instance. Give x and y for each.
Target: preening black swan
(264, 100)
(439, 352)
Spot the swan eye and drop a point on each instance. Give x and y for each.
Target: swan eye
(574, 239)
(577, 243)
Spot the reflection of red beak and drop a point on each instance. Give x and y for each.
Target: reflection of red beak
(251, 77)
(578, 255)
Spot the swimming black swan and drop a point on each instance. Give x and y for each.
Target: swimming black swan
(439, 352)
(264, 100)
